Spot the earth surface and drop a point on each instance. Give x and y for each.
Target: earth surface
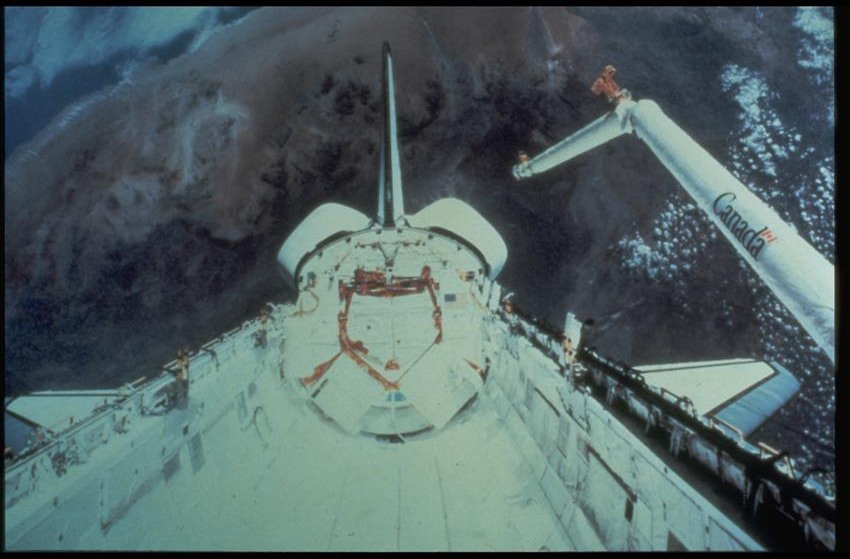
(156, 159)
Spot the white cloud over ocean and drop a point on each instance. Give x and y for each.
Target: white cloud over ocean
(42, 42)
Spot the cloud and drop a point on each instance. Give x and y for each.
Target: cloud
(42, 42)
(818, 48)
(20, 38)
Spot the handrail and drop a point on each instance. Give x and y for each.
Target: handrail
(740, 451)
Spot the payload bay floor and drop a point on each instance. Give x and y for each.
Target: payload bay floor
(313, 487)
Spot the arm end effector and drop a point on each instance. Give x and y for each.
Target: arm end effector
(522, 170)
(592, 135)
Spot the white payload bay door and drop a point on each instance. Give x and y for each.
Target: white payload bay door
(56, 410)
(742, 392)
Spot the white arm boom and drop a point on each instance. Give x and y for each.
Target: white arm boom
(797, 273)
